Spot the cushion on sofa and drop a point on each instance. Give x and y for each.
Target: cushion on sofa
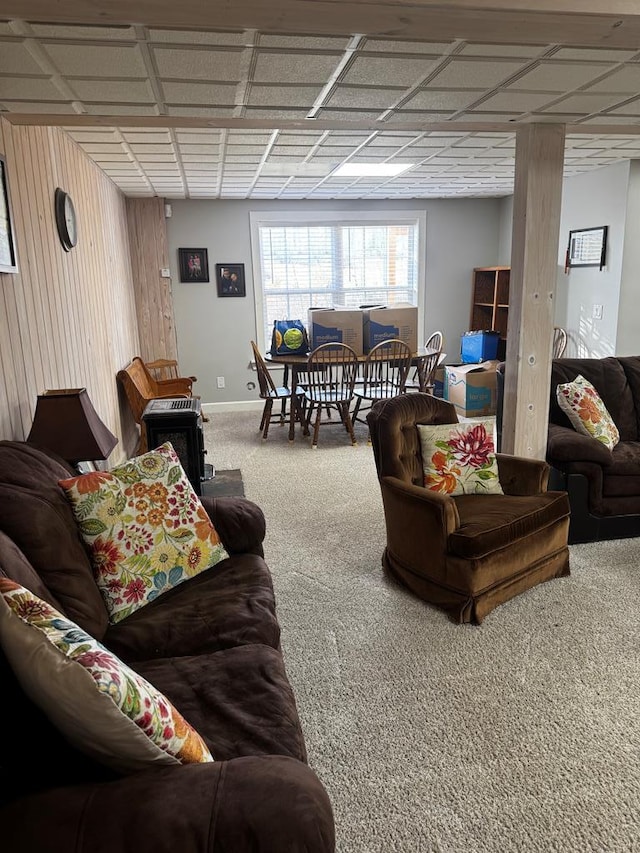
(145, 528)
(231, 606)
(104, 708)
(35, 514)
(610, 381)
(239, 700)
(459, 459)
(582, 404)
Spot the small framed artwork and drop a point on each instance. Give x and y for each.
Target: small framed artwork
(587, 247)
(230, 280)
(194, 265)
(8, 257)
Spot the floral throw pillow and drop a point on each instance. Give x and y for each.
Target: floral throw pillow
(145, 528)
(582, 404)
(99, 704)
(459, 459)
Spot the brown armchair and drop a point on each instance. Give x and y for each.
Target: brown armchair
(140, 387)
(469, 553)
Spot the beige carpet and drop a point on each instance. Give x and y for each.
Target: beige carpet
(519, 735)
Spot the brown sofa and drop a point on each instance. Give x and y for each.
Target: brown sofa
(211, 645)
(603, 485)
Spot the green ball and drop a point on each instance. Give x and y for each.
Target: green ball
(293, 339)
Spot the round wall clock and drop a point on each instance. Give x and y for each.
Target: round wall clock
(66, 220)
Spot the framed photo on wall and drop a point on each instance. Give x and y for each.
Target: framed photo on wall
(587, 247)
(8, 257)
(230, 280)
(194, 265)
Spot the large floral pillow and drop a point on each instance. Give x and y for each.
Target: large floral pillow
(100, 705)
(582, 404)
(145, 528)
(459, 459)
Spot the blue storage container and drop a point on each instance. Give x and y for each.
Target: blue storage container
(479, 346)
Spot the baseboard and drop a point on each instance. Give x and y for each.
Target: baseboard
(233, 406)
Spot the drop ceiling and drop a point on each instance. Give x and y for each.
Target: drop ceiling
(240, 112)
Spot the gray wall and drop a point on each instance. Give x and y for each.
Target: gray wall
(214, 334)
(595, 198)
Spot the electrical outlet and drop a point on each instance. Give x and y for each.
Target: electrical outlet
(165, 272)
(220, 381)
(597, 312)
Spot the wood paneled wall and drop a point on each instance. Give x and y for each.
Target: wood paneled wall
(67, 319)
(149, 254)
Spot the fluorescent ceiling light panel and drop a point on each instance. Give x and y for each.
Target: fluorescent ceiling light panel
(374, 170)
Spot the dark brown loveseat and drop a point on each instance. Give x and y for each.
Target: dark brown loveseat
(603, 485)
(211, 645)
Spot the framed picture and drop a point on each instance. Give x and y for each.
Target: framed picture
(194, 265)
(8, 257)
(587, 247)
(230, 280)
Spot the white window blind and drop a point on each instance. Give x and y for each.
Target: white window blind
(335, 265)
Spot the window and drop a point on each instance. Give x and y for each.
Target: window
(332, 261)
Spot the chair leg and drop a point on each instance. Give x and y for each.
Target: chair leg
(354, 416)
(267, 418)
(316, 427)
(349, 424)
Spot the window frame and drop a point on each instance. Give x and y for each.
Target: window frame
(303, 217)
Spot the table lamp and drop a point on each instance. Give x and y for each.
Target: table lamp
(66, 423)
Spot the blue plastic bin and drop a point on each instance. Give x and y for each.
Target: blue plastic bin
(479, 346)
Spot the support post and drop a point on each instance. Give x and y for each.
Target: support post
(534, 268)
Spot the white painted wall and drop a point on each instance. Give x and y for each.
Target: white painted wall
(628, 333)
(595, 198)
(213, 334)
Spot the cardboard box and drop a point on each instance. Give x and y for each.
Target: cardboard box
(479, 346)
(472, 388)
(439, 385)
(335, 325)
(382, 324)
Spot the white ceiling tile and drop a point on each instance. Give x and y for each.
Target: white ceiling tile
(143, 148)
(141, 136)
(302, 42)
(169, 36)
(102, 61)
(526, 51)
(199, 149)
(387, 71)
(199, 137)
(111, 157)
(214, 94)
(103, 147)
(169, 157)
(559, 76)
(200, 158)
(80, 32)
(201, 112)
(16, 59)
(516, 102)
(595, 54)
(275, 113)
(447, 99)
(119, 110)
(112, 90)
(283, 96)
(481, 74)
(419, 116)
(626, 81)
(395, 46)
(583, 103)
(302, 67)
(81, 135)
(364, 98)
(198, 64)
(29, 88)
(52, 107)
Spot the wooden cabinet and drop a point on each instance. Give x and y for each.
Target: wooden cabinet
(490, 302)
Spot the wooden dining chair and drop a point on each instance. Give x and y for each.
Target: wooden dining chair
(270, 393)
(330, 378)
(425, 371)
(385, 373)
(559, 342)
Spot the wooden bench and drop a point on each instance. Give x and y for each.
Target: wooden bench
(140, 387)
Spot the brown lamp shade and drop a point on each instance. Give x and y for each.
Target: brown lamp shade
(66, 423)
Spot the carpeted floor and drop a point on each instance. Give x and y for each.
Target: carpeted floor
(521, 735)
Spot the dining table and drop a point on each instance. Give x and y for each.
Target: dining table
(294, 365)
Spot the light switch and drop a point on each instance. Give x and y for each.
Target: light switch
(597, 312)
(165, 272)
